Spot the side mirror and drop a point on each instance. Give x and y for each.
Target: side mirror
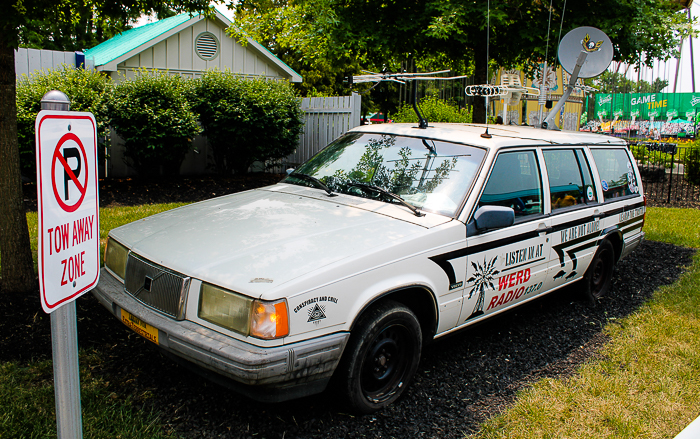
(494, 217)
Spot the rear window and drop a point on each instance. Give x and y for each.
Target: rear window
(570, 181)
(617, 175)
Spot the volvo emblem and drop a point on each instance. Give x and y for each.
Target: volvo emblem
(147, 284)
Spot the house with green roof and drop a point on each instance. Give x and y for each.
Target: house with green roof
(187, 44)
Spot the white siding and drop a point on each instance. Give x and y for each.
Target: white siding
(186, 49)
(173, 52)
(177, 54)
(160, 55)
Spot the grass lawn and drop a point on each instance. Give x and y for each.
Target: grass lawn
(26, 390)
(647, 384)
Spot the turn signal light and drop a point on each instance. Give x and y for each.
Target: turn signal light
(269, 319)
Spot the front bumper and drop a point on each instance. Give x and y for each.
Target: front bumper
(266, 374)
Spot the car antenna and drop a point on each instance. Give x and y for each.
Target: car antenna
(486, 134)
(488, 90)
(403, 78)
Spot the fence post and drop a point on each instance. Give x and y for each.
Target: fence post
(670, 179)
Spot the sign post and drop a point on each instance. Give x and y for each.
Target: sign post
(69, 243)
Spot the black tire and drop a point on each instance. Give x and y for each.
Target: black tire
(381, 357)
(598, 277)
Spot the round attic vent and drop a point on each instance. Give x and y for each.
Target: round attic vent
(207, 46)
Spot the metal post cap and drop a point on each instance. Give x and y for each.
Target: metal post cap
(55, 100)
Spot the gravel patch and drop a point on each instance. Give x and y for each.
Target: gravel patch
(462, 380)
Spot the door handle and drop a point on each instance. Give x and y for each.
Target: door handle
(542, 228)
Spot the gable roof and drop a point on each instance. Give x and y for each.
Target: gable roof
(133, 41)
(129, 40)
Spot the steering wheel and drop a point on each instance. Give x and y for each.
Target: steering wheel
(518, 204)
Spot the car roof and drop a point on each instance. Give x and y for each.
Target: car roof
(502, 136)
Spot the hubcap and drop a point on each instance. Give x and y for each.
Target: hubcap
(386, 363)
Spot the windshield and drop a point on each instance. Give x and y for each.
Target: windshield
(428, 174)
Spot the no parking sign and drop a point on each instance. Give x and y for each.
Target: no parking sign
(68, 206)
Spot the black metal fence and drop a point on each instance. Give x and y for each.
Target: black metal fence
(670, 172)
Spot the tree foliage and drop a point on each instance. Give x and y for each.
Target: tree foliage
(434, 110)
(376, 33)
(299, 32)
(611, 82)
(246, 120)
(18, 15)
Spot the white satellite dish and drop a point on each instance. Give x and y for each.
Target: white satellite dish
(584, 52)
(591, 40)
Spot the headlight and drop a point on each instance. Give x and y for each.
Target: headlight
(115, 258)
(242, 314)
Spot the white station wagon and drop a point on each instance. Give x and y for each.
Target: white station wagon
(390, 237)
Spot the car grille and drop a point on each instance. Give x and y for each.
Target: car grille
(156, 286)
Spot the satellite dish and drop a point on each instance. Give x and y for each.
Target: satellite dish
(590, 40)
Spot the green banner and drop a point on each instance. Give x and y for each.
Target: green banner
(645, 105)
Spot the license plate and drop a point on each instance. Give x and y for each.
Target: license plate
(140, 327)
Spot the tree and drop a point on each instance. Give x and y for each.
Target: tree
(299, 32)
(611, 82)
(641, 31)
(17, 270)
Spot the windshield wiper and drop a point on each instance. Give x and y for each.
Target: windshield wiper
(388, 194)
(313, 180)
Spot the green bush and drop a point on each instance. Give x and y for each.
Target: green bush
(152, 114)
(644, 156)
(692, 163)
(246, 120)
(88, 90)
(434, 111)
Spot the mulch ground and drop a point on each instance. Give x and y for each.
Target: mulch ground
(462, 379)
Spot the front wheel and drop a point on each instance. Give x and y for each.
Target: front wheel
(599, 274)
(381, 357)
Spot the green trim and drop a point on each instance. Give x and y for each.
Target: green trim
(125, 42)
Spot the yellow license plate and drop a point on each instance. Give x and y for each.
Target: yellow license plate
(140, 327)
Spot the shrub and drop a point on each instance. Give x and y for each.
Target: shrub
(246, 120)
(153, 116)
(88, 90)
(434, 110)
(645, 156)
(692, 164)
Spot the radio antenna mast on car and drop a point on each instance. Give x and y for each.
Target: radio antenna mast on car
(403, 78)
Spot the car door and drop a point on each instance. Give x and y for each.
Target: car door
(508, 265)
(575, 214)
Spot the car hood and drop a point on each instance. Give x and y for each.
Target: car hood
(255, 241)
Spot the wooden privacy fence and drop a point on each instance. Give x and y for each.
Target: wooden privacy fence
(28, 61)
(325, 119)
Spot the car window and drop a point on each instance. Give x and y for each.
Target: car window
(616, 173)
(570, 181)
(515, 182)
(429, 174)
